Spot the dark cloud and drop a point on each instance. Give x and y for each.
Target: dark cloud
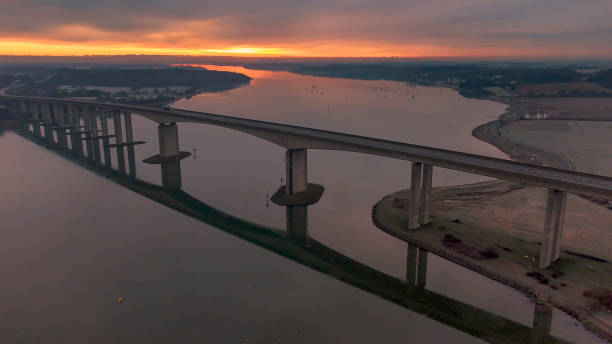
(522, 25)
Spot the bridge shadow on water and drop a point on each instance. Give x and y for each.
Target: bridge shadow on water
(294, 243)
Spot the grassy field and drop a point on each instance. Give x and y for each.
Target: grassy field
(586, 143)
(560, 89)
(576, 108)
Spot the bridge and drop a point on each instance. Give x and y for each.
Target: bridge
(67, 123)
(293, 243)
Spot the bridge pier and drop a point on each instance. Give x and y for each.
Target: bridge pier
(129, 139)
(119, 141)
(542, 322)
(28, 118)
(297, 191)
(105, 139)
(169, 147)
(420, 195)
(46, 111)
(416, 266)
(60, 120)
(95, 135)
(88, 134)
(35, 120)
(297, 223)
(75, 131)
(553, 227)
(296, 169)
(169, 156)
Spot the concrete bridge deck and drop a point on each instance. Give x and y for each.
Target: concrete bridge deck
(297, 140)
(295, 137)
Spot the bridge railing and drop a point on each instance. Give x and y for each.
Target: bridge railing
(68, 123)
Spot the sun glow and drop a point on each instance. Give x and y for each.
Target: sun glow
(48, 48)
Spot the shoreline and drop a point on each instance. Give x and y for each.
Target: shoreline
(490, 133)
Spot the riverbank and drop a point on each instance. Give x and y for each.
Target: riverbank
(506, 247)
(512, 235)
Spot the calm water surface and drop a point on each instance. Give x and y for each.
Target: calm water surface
(71, 242)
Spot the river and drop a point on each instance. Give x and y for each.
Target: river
(72, 242)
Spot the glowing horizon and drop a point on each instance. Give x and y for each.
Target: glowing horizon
(273, 28)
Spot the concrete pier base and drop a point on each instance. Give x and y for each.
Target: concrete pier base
(297, 191)
(553, 227)
(416, 267)
(311, 195)
(297, 223)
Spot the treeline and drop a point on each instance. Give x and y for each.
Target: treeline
(604, 78)
(195, 78)
(471, 79)
(6, 80)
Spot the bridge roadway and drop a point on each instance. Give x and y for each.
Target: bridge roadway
(295, 137)
(53, 113)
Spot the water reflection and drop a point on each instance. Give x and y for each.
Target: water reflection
(294, 243)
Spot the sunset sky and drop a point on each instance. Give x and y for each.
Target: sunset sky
(402, 28)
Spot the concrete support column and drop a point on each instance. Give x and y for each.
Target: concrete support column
(168, 140)
(415, 195)
(425, 213)
(542, 323)
(95, 134)
(558, 238)
(58, 110)
(297, 223)
(553, 227)
(23, 108)
(169, 148)
(129, 139)
(296, 170)
(416, 267)
(88, 134)
(47, 122)
(419, 210)
(35, 119)
(119, 141)
(75, 131)
(105, 140)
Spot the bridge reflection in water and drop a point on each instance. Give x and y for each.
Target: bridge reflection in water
(94, 151)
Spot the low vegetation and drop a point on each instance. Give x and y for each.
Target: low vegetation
(140, 86)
